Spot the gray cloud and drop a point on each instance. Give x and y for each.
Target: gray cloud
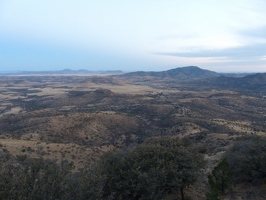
(255, 50)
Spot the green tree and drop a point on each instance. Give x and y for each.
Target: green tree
(151, 170)
(219, 180)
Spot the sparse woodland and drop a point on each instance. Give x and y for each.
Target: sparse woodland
(133, 137)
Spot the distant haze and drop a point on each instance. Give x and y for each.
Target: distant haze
(150, 35)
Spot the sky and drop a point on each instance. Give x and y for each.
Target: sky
(139, 35)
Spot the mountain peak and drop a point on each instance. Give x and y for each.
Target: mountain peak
(180, 73)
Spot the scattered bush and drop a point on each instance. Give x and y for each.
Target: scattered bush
(33, 179)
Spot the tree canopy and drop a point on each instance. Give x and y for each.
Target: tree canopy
(247, 159)
(151, 170)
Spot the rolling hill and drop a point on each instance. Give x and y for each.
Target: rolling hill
(255, 83)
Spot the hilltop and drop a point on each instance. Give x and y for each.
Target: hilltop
(181, 73)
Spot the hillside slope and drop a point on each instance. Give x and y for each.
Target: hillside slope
(255, 83)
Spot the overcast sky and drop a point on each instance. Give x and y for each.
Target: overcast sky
(219, 35)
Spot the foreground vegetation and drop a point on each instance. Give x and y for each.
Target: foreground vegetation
(152, 170)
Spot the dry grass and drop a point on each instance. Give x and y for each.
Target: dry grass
(81, 156)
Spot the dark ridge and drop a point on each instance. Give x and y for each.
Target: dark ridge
(255, 83)
(182, 73)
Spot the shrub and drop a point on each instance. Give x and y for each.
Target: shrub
(247, 159)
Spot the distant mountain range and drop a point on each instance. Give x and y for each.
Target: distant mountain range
(210, 79)
(182, 73)
(66, 71)
(193, 75)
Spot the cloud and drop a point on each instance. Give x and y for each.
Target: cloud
(123, 33)
(247, 51)
(263, 57)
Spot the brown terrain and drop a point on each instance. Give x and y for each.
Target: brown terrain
(78, 118)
